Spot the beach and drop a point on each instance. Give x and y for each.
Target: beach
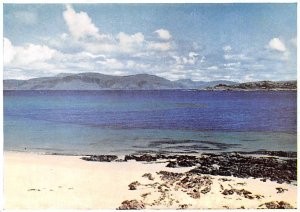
(39, 181)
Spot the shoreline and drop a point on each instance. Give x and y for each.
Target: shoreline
(41, 181)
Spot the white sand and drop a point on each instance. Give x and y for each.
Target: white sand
(67, 182)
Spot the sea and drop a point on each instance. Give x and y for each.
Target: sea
(165, 121)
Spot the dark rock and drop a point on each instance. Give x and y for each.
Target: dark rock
(183, 206)
(133, 185)
(145, 194)
(120, 160)
(100, 158)
(277, 205)
(206, 190)
(172, 164)
(280, 190)
(148, 175)
(224, 179)
(131, 205)
(228, 192)
(273, 153)
(241, 192)
(170, 176)
(186, 163)
(224, 171)
(144, 157)
(237, 165)
(129, 157)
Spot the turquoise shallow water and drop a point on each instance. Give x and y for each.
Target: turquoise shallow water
(118, 122)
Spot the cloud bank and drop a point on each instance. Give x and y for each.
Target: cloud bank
(83, 47)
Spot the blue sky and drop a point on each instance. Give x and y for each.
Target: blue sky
(240, 42)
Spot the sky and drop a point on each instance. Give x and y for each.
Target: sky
(202, 42)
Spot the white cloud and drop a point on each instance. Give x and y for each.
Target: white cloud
(129, 43)
(191, 59)
(9, 51)
(163, 34)
(79, 24)
(213, 68)
(33, 53)
(126, 39)
(227, 65)
(24, 55)
(236, 57)
(98, 47)
(164, 46)
(227, 48)
(193, 55)
(277, 44)
(111, 63)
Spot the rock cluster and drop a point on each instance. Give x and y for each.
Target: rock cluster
(155, 157)
(280, 190)
(241, 192)
(131, 205)
(192, 184)
(237, 165)
(234, 164)
(276, 205)
(100, 158)
(272, 153)
(149, 176)
(133, 185)
(144, 157)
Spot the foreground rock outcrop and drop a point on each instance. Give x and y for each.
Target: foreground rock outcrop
(276, 205)
(131, 205)
(100, 158)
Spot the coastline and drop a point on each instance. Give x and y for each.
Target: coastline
(43, 181)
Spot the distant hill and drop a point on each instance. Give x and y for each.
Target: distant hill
(93, 81)
(260, 85)
(203, 84)
(96, 81)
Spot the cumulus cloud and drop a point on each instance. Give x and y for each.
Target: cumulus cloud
(163, 34)
(84, 35)
(159, 46)
(191, 59)
(79, 24)
(9, 51)
(24, 55)
(33, 53)
(128, 43)
(277, 44)
(83, 48)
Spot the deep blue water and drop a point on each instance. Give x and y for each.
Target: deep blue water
(128, 121)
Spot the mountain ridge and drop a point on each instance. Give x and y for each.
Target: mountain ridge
(97, 81)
